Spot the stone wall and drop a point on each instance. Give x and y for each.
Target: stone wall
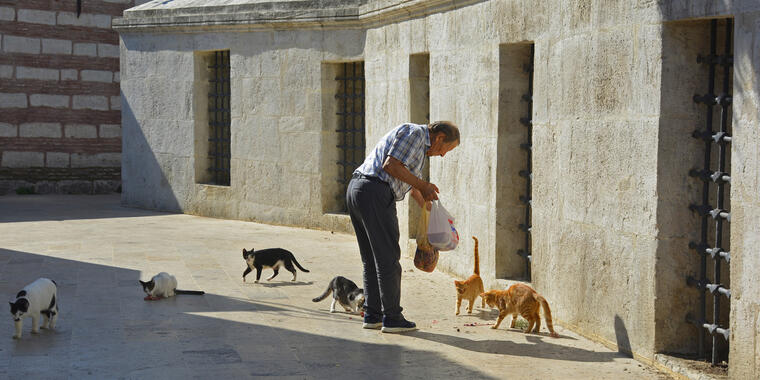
(745, 200)
(612, 118)
(60, 120)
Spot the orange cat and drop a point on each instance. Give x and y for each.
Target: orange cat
(523, 300)
(470, 288)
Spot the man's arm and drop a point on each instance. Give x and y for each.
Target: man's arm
(397, 170)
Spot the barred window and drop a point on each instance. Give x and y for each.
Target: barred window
(350, 126)
(219, 118)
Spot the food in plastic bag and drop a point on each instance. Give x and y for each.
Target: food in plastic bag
(441, 232)
(426, 257)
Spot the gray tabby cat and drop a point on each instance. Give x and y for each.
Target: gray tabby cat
(345, 292)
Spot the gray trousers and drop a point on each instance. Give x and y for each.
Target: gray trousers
(372, 207)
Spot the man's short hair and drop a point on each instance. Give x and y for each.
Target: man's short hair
(448, 128)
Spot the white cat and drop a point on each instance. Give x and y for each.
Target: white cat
(164, 285)
(37, 298)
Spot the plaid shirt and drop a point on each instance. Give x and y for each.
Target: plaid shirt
(407, 143)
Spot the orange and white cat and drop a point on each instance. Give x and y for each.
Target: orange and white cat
(523, 300)
(470, 288)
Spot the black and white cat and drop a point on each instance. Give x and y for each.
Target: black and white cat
(37, 298)
(345, 292)
(164, 285)
(270, 258)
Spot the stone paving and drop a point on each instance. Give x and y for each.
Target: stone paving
(96, 251)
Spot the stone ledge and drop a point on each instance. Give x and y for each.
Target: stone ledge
(689, 369)
(279, 14)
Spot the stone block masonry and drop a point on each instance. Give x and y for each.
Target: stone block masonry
(60, 107)
(611, 118)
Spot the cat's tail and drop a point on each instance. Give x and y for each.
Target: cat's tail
(325, 294)
(297, 264)
(547, 315)
(193, 292)
(477, 260)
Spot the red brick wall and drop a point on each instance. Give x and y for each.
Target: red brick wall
(60, 112)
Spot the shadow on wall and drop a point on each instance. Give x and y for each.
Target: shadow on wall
(621, 337)
(106, 330)
(144, 181)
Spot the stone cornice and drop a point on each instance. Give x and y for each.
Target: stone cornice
(279, 15)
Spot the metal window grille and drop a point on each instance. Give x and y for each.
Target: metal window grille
(219, 118)
(350, 123)
(718, 179)
(528, 172)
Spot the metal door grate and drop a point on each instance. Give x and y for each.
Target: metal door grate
(528, 173)
(350, 123)
(219, 118)
(719, 179)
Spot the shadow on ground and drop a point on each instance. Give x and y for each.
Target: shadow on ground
(32, 208)
(106, 330)
(539, 346)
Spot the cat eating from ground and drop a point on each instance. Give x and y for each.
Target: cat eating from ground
(345, 292)
(523, 300)
(472, 287)
(273, 258)
(37, 298)
(164, 285)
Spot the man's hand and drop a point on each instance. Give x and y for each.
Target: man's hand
(429, 191)
(417, 196)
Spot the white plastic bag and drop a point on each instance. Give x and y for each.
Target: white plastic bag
(441, 231)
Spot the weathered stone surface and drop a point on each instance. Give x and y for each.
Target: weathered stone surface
(8, 130)
(80, 131)
(6, 71)
(95, 160)
(56, 159)
(92, 102)
(53, 46)
(109, 130)
(17, 44)
(107, 50)
(85, 49)
(40, 130)
(23, 72)
(7, 13)
(11, 159)
(745, 200)
(84, 19)
(36, 16)
(69, 74)
(97, 76)
(15, 100)
(45, 100)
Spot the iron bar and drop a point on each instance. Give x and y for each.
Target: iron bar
(721, 178)
(707, 175)
(715, 252)
(719, 137)
(724, 100)
(711, 328)
(712, 288)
